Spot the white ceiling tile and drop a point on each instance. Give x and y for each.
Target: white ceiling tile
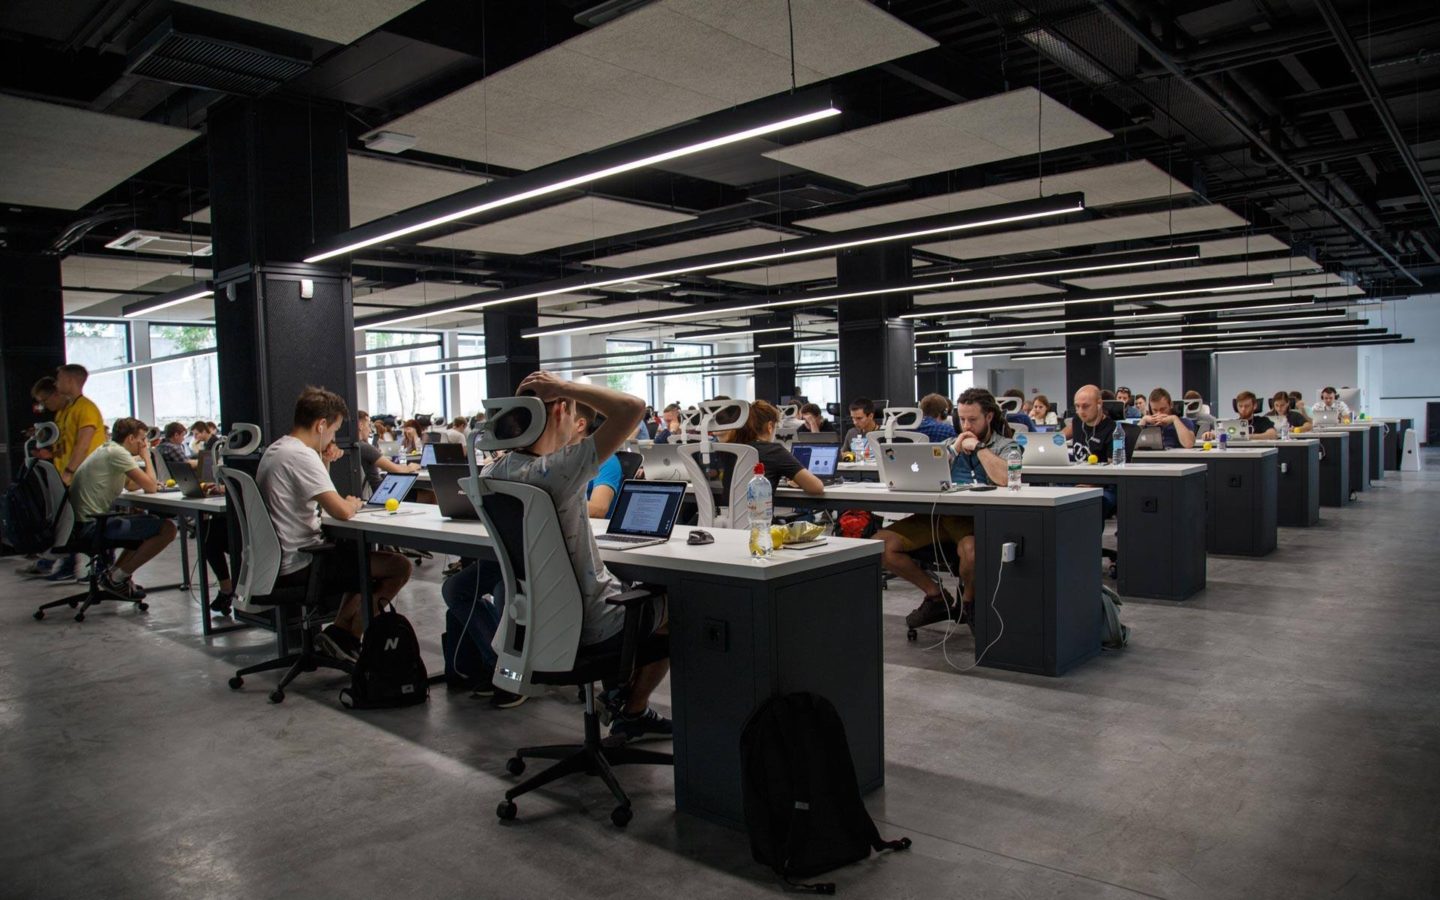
(63, 157)
(1095, 231)
(574, 222)
(988, 293)
(663, 64)
(417, 294)
(120, 274)
(1191, 273)
(1247, 245)
(731, 240)
(1126, 182)
(341, 21)
(981, 131)
(805, 270)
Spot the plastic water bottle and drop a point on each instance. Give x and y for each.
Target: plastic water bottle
(761, 507)
(1117, 447)
(1282, 428)
(1224, 440)
(1012, 466)
(857, 447)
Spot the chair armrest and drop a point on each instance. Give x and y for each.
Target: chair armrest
(633, 602)
(319, 547)
(633, 597)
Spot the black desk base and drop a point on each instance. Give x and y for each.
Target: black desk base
(1298, 500)
(1240, 494)
(1334, 467)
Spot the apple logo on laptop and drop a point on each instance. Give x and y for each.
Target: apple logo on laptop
(915, 467)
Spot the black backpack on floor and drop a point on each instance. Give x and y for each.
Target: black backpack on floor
(389, 671)
(24, 525)
(802, 801)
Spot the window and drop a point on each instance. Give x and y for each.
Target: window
(103, 345)
(687, 390)
(472, 383)
(404, 391)
(637, 383)
(185, 390)
(821, 388)
(961, 381)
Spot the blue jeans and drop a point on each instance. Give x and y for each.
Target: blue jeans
(474, 618)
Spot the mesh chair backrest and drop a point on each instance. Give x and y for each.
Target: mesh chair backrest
(260, 556)
(629, 463)
(544, 615)
(724, 480)
(878, 437)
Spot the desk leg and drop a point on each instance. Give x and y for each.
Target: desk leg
(185, 555)
(206, 628)
(366, 596)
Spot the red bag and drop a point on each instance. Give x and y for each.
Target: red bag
(857, 523)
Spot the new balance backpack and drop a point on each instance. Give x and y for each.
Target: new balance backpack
(802, 803)
(24, 523)
(389, 671)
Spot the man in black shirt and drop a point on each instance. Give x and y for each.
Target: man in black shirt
(372, 461)
(1094, 432)
(1261, 428)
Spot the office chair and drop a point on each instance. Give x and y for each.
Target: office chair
(255, 586)
(538, 641)
(898, 428)
(99, 550)
(630, 463)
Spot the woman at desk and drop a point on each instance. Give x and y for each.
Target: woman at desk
(1284, 409)
(1041, 413)
(759, 432)
(410, 440)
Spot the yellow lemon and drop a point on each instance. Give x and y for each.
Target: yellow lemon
(1092, 459)
(169, 482)
(392, 504)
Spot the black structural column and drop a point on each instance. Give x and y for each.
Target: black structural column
(1089, 358)
(277, 186)
(1197, 367)
(509, 357)
(877, 347)
(32, 344)
(775, 369)
(932, 375)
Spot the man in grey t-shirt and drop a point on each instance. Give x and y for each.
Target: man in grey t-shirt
(564, 469)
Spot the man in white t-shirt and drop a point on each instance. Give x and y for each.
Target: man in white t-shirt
(564, 469)
(293, 478)
(1330, 400)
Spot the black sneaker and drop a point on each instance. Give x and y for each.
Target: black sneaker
(126, 590)
(504, 699)
(222, 604)
(932, 610)
(648, 725)
(338, 643)
(484, 686)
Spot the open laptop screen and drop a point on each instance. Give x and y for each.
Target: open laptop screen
(394, 486)
(427, 456)
(647, 508)
(822, 459)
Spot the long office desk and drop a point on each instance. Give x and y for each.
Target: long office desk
(741, 631)
(1047, 598)
(1160, 514)
(1360, 449)
(1334, 466)
(1241, 493)
(197, 509)
(1394, 440)
(1297, 501)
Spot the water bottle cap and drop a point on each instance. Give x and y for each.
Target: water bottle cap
(759, 468)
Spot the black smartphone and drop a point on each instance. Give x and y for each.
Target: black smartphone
(983, 487)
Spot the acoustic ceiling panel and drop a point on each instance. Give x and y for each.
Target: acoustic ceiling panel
(663, 64)
(574, 222)
(1190, 273)
(1002, 126)
(731, 240)
(417, 294)
(998, 292)
(1126, 182)
(341, 21)
(63, 157)
(1094, 231)
(1247, 245)
(790, 273)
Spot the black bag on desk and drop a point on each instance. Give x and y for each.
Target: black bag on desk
(389, 671)
(802, 802)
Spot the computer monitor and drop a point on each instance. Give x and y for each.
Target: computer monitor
(1351, 397)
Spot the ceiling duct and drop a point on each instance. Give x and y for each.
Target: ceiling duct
(198, 61)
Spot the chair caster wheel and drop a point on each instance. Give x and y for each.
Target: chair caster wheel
(506, 810)
(236, 683)
(277, 696)
(911, 635)
(79, 617)
(39, 614)
(515, 766)
(143, 607)
(621, 816)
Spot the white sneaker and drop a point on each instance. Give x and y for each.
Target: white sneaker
(34, 567)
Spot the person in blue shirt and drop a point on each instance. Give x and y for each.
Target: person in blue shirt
(1125, 396)
(934, 410)
(1176, 432)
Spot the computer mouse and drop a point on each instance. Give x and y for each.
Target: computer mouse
(700, 537)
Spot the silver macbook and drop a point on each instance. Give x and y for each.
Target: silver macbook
(1325, 416)
(915, 467)
(1044, 449)
(1233, 429)
(644, 514)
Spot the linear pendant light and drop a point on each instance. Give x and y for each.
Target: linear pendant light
(1199, 287)
(1262, 328)
(664, 365)
(723, 369)
(744, 331)
(910, 229)
(607, 355)
(1059, 329)
(730, 128)
(1177, 343)
(1123, 320)
(196, 291)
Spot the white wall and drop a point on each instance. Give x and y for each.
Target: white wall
(1142, 374)
(1400, 378)
(1268, 371)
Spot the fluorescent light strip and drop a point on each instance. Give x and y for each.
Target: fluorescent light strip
(146, 307)
(587, 356)
(725, 333)
(1025, 356)
(1119, 318)
(1337, 326)
(1126, 330)
(584, 178)
(662, 365)
(1064, 300)
(177, 357)
(810, 342)
(704, 371)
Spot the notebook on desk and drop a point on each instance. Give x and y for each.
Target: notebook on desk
(644, 514)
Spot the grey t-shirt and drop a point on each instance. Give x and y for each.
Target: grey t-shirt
(564, 475)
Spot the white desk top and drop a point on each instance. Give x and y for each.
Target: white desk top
(873, 494)
(866, 466)
(171, 500)
(728, 557)
(1157, 470)
(1357, 426)
(1301, 441)
(1233, 452)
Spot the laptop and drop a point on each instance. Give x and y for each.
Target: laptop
(662, 463)
(1325, 417)
(449, 496)
(820, 459)
(431, 454)
(915, 467)
(186, 481)
(817, 437)
(391, 449)
(1234, 429)
(1044, 450)
(644, 514)
(395, 487)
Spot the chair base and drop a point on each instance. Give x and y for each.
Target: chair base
(82, 602)
(307, 660)
(590, 758)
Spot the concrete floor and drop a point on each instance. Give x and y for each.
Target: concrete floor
(1276, 736)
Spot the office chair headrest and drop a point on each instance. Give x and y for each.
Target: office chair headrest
(1192, 407)
(904, 417)
(1010, 404)
(152, 433)
(46, 433)
(522, 419)
(243, 438)
(790, 411)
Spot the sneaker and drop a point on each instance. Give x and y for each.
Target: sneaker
(126, 590)
(932, 610)
(64, 570)
(222, 604)
(482, 687)
(504, 699)
(338, 643)
(641, 726)
(36, 567)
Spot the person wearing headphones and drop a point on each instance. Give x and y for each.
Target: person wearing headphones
(1261, 428)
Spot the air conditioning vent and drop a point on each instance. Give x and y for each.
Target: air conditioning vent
(203, 62)
(161, 243)
(637, 287)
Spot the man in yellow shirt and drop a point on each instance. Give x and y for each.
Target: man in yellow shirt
(82, 428)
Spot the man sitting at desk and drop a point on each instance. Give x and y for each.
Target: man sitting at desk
(934, 410)
(172, 447)
(978, 457)
(1261, 428)
(293, 477)
(1176, 432)
(862, 420)
(814, 419)
(563, 469)
(97, 484)
(1094, 432)
(1330, 400)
